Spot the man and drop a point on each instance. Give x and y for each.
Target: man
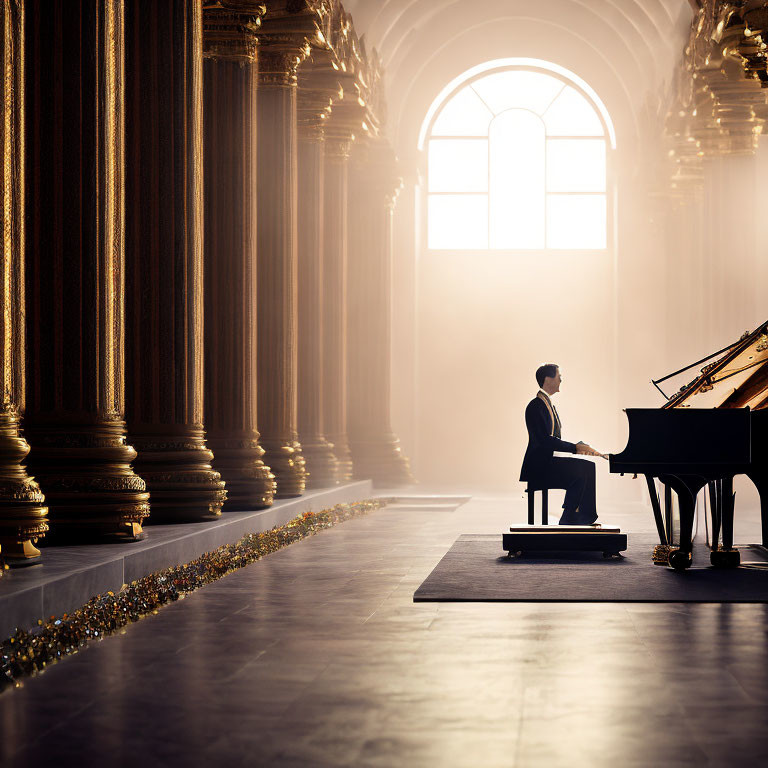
(543, 470)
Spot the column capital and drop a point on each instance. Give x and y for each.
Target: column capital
(290, 26)
(230, 29)
(375, 160)
(346, 125)
(318, 91)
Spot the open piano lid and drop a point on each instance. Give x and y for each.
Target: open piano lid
(736, 380)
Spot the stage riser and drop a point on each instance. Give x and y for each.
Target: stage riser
(69, 576)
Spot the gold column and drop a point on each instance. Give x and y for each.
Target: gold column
(164, 258)
(22, 510)
(229, 129)
(313, 109)
(280, 52)
(338, 143)
(75, 283)
(374, 185)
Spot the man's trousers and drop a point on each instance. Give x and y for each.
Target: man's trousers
(577, 478)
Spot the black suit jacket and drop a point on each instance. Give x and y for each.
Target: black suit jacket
(543, 441)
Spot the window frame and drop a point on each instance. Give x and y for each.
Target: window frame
(568, 79)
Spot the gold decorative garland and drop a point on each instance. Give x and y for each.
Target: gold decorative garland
(27, 653)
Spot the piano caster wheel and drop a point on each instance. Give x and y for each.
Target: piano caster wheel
(611, 555)
(680, 560)
(725, 558)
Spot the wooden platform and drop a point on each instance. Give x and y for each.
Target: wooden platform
(564, 538)
(523, 528)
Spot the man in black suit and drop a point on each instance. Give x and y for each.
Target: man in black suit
(543, 470)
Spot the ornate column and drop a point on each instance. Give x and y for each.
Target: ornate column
(338, 143)
(164, 258)
(374, 186)
(75, 281)
(22, 505)
(282, 47)
(229, 130)
(314, 100)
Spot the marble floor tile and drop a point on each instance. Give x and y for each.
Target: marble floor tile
(317, 656)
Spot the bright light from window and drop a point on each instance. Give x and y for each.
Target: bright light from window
(458, 165)
(464, 115)
(458, 221)
(518, 89)
(517, 161)
(572, 115)
(576, 165)
(576, 221)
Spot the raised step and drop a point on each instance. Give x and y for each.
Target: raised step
(69, 576)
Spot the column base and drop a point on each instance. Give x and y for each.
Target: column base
(287, 462)
(90, 487)
(177, 471)
(22, 522)
(23, 514)
(381, 461)
(249, 482)
(322, 464)
(19, 553)
(340, 445)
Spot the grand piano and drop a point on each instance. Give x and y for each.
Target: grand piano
(712, 429)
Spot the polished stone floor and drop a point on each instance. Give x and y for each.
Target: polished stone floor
(317, 656)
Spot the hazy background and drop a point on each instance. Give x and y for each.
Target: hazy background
(680, 278)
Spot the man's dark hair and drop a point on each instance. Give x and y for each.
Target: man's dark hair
(543, 371)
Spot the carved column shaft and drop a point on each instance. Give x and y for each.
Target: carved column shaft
(164, 256)
(277, 266)
(373, 188)
(337, 148)
(22, 510)
(320, 458)
(229, 77)
(75, 281)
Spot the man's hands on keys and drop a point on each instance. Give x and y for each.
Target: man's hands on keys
(588, 450)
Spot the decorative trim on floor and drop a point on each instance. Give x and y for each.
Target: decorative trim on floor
(27, 653)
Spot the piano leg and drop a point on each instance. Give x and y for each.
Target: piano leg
(727, 505)
(656, 510)
(727, 557)
(761, 483)
(715, 499)
(668, 516)
(687, 488)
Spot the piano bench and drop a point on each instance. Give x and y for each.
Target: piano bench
(564, 538)
(531, 491)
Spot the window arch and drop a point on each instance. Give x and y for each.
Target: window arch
(517, 160)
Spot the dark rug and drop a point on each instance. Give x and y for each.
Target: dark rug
(476, 569)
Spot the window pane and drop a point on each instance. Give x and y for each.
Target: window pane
(517, 180)
(576, 221)
(576, 165)
(572, 115)
(458, 221)
(458, 165)
(464, 115)
(518, 88)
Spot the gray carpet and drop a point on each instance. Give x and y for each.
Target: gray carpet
(476, 569)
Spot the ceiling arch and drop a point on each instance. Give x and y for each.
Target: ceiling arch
(622, 48)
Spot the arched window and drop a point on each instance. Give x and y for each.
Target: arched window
(516, 160)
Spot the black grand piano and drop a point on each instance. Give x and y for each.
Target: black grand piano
(714, 428)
